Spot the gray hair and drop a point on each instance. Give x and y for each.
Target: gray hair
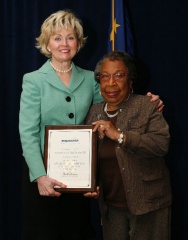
(118, 56)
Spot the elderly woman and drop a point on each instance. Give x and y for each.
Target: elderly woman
(134, 183)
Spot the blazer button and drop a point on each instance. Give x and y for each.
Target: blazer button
(68, 99)
(71, 115)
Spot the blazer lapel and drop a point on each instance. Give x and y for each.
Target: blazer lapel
(77, 78)
(51, 77)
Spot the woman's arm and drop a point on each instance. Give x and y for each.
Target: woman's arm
(29, 128)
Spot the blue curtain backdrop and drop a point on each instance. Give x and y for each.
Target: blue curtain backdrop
(161, 37)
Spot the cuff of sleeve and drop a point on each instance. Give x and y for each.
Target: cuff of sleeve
(132, 140)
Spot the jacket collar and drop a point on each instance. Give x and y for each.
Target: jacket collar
(51, 77)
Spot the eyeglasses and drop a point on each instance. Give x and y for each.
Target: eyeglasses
(105, 77)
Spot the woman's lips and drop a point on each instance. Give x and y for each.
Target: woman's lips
(112, 94)
(64, 51)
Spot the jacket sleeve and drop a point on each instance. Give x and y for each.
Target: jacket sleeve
(29, 127)
(150, 138)
(97, 96)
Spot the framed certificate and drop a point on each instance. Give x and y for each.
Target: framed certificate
(70, 156)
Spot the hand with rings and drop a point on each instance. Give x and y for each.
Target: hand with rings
(101, 126)
(106, 128)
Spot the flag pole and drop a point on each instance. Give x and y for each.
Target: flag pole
(113, 27)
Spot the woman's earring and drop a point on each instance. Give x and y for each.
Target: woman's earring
(48, 50)
(131, 89)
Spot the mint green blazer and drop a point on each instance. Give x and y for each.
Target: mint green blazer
(45, 100)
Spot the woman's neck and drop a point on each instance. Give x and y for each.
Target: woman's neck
(111, 107)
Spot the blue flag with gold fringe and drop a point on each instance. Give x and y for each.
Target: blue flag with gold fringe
(120, 31)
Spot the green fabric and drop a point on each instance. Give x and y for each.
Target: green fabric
(43, 102)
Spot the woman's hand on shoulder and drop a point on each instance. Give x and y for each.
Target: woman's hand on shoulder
(46, 186)
(154, 98)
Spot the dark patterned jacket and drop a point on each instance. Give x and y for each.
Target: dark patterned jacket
(141, 158)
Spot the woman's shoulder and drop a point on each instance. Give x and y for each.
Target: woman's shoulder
(139, 105)
(39, 74)
(143, 100)
(98, 105)
(97, 108)
(41, 70)
(83, 70)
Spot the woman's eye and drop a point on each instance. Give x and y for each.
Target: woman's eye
(71, 38)
(118, 75)
(57, 39)
(104, 76)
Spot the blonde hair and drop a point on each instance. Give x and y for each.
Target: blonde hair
(53, 24)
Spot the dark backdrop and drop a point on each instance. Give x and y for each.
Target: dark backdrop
(161, 36)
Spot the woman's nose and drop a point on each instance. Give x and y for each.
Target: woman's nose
(64, 42)
(112, 82)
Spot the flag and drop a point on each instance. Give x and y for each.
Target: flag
(120, 31)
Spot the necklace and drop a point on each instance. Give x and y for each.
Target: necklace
(61, 71)
(115, 114)
(109, 115)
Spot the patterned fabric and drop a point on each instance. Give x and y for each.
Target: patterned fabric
(141, 160)
(122, 225)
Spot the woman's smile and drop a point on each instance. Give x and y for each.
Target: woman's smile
(112, 94)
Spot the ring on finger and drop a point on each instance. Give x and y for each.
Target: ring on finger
(101, 126)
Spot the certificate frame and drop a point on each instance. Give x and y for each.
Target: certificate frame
(64, 158)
